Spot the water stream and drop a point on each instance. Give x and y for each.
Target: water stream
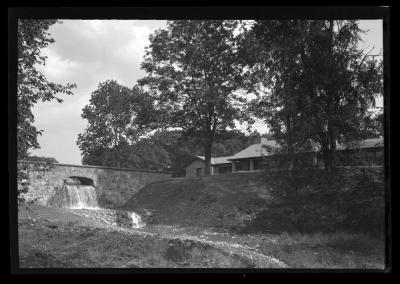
(78, 196)
(75, 196)
(136, 220)
(82, 197)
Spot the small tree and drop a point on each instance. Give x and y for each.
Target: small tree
(113, 126)
(194, 71)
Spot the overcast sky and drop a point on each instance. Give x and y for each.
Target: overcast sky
(87, 52)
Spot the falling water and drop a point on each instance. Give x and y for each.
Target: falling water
(82, 196)
(75, 196)
(78, 196)
(136, 221)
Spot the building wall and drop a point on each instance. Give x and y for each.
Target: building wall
(199, 164)
(113, 186)
(191, 169)
(363, 157)
(217, 169)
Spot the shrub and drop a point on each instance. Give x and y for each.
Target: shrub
(311, 200)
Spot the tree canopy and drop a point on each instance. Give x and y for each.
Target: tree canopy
(112, 115)
(319, 84)
(313, 84)
(43, 159)
(32, 85)
(194, 72)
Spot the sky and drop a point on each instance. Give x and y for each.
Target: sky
(87, 52)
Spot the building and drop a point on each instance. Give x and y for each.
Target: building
(252, 157)
(366, 152)
(264, 155)
(219, 165)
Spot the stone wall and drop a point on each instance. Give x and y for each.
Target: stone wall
(114, 186)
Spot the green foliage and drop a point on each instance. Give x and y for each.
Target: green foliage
(314, 82)
(47, 160)
(168, 150)
(194, 72)
(32, 85)
(313, 200)
(112, 114)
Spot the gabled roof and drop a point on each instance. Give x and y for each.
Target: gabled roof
(256, 150)
(367, 143)
(217, 160)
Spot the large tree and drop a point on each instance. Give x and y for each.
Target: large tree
(112, 115)
(194, 71)
(32, 85)
(316, 75)
(346, 81)
(275, 48)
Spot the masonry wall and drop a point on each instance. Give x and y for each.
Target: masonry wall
(113, 186)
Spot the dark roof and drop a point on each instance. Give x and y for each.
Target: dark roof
(217, 160)
(258, 150)
(367, 143)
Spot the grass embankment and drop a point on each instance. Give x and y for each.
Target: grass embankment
(274, 202)
(232, 220)
(57, 238)
(307, 219)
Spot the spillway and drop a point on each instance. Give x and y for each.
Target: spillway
(75, 196)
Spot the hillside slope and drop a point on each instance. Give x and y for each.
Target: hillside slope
(224, 201)
(350, 200)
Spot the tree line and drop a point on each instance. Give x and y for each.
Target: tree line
(308, 80)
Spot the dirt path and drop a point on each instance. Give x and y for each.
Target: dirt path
(51, 237)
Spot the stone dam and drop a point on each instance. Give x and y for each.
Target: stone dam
(112, 186)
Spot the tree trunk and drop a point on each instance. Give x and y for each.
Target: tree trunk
(207, 157)
(326, 153)
(332, 147)
(331, 139)
(290, 149)
(327, 158)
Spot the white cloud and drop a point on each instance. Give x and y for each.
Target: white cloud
(58, 69)
(86, 52)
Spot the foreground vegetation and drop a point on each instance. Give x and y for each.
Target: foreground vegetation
(311, 200)
(59, 238)
(324, 250)
(54, 237)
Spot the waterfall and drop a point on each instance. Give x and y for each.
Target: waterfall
(82, 196)
(75, 196)
(136, 220)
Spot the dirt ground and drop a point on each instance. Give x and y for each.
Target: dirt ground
(56, 237)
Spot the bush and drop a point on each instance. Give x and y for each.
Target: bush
(311, 200)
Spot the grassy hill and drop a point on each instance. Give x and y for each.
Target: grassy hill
(268, 202)
(306, 220)
(223, 201)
